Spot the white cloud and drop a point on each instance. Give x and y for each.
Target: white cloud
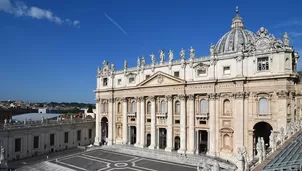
(295, 34)
(289, 23)
(21, 9)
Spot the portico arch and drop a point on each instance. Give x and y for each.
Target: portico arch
(104, 129)
(262, 129)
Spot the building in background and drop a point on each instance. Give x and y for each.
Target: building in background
(47, 110)
(216, 104)
(5, 114)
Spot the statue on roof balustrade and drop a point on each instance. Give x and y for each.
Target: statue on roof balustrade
(162, 56)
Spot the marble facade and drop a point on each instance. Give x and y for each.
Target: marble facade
(212, 104)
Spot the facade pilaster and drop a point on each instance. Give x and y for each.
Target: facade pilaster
(212, 111)
(183, 131)
(125, 122)
(191, 146)
(97, 125)
(239, 126)
(110, 121)
(142, 122)
(138, 116)
(239, 65)
(169, 124)
(153, 124)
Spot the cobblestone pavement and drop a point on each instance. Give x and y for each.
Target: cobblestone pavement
(103, 160)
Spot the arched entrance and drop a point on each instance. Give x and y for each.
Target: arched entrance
(176, 143)
(162, 137)
(104, 129)
(262, 129)
(148, 140)
(132, 135)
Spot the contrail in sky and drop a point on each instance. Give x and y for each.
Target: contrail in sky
(116, 24)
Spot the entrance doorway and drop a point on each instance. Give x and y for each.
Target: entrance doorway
(202, 141)
(132, 135)
(148, 140)
(176, 143)
(104, 129)
(262, 129)
(162, 136)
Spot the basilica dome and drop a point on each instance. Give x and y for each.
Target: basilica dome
(233, 40)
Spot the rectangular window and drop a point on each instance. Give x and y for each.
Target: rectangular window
(147, 76)
(132, 119)
(90, 133)
(176, 74)
(36, 141)
(105, 81)
(131, 80)
(17, 144)
(226, 70)
(52, 139)
(148, 120)
(201, 72)
(65, 137)
(263, 64)
(119, 82)
(79, 135)
(177, 121)
(202, 122)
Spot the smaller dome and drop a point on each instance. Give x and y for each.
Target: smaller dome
(233, 40)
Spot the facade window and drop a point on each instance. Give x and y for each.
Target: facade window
(147, 76)
(133, 106)
(105, 109)
(90, 133)
(177, 121)
(119, 81)
(288, 109)
(105, 81)
(201, 72)
(66, 137)
(17, 144)
(227, 108)
(263, 106)
(263, 64)
(36, 142)
(119, 107)
(131, 80)
(163, 106)
(148, 120)
(52, 139)
(177, 108)
(149, 108)
(203, 106)
(226, 70)
(79, 135)
(176, 74)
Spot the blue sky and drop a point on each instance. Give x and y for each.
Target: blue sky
(50, 49)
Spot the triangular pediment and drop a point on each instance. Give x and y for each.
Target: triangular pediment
(161, 78)
(201, 66)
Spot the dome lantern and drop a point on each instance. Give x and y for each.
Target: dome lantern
(237, 21)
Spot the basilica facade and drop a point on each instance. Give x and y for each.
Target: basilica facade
(215, 104)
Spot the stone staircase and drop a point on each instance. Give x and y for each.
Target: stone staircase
(175, 157)
(44, 166)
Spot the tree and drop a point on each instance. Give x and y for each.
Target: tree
(90, 109)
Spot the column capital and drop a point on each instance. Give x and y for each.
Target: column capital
(111, 100)
(151, 98)
(182, 97)
(169, 97)
(213, 95)
(238, 95)
(98, 100)
(191, 96)
(124, 99)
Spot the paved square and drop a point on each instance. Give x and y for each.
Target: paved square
(103, 160)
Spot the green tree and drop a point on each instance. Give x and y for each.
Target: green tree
(90, 109)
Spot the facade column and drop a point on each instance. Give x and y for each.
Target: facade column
(212, 111)
(97, 123)
(110, 121)
(125, 122)
(153, 124)
(239, 126)
(169, 124)
(183, 130)
(239, 60)
(191, 146)
(138, 120)
(142, 122)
